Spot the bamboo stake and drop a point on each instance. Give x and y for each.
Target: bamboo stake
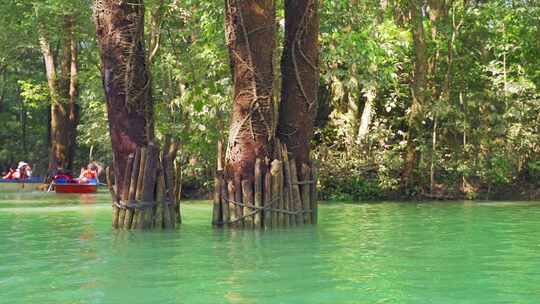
(224, 204)
(284, 217)
(169, 189)
(305, 187)
(238, 198)
(257, 220)
(247, 198)
(275, 171)
(140, 179)
(217, 214)
(149, 187)
(114, 197)
(139, 190)
(108, 177)
(178, 192)
(230, 195)
(287, 191)
(125, 189)
(167, 219)
(128, 217)
(297, 201)
(169, 214)
(218, 211)
(160, 199)
(267, 222)
(313, 195)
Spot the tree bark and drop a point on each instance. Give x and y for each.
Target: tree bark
(300, 78)
(63, 93)
(126, 80)
(250, 33)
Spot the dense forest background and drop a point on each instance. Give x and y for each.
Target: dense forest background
(435, 99)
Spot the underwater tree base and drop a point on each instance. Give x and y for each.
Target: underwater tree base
(147, 200)
(278, 195)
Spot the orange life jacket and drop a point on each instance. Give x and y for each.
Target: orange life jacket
(90, 174)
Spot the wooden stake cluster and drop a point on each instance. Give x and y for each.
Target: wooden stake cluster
(148, 198)
(281, 195)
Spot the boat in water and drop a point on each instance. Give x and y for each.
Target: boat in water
(75, 188)
(30, 183)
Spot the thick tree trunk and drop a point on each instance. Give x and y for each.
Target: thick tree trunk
(126, 80)
(418, 92)
(250, 32)
(63, 93)
(300, 78)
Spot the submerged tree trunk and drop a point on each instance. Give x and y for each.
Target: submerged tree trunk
(250, 33)
(259, 187)
(63, 93)
(300, 78)
(418, 92)
(126, 80)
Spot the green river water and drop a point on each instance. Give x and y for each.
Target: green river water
(61, 249)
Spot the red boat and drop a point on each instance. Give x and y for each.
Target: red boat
(75, 188)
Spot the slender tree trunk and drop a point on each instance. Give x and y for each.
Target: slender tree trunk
(367, 113)
(126, 80)
(464, 138)
(300, 78)
(436, 10)
(171, 146)
(73, 116)
(154, 36)
(250, 33)
(418, 92)
(63, 94)
(55, 153)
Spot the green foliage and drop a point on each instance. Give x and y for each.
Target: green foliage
(347, 182)
(487, 126)
(34, 94)
(533, 168)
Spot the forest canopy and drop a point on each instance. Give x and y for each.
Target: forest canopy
(432, 98)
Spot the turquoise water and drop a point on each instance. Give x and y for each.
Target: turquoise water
(61, 249)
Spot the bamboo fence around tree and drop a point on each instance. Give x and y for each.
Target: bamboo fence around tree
(149, 196)
(280, 194)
